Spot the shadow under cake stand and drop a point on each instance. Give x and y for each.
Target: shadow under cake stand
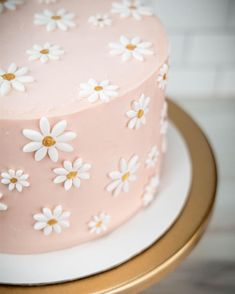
(167, 252)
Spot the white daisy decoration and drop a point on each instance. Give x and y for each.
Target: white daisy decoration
(102, 91)
(122, 178)
(163, 76)
(151, 190)
(99, 223)
(47, 1)
(131, 8)
(100, 20)
(129, 48)
(9, 4)
(15, 180)
(52, 221)
(72, 173)
(49, 140)
(152, 157)
(14, 78)
(45, 53)
(3, 207)
(163, 119)
(138, 112)
(62, 20)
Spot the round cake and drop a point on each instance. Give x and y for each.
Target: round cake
(82, 119)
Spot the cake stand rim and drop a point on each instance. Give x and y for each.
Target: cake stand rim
(147, 268)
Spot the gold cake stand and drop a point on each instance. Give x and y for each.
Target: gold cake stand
(167, 253)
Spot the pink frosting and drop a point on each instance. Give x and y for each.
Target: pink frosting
(87, 55)
(102, 133)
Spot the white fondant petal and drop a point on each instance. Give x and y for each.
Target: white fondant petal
(68, 136)
(5, 88)
(57, 211)
(113, 185)
(12, 68)
(45, 126)
(60, 171)
(77, 164)
(68, 184)
(77, 182)
(68, 165)
(40, 217)
(57, 228)
(41, 153)
(39, 226)
(60, 179)
(18, 86)
(32, 146)
(47, 230)
(32, 135)
(21, 71)
(84, 176)
(64, 147)
(53, 154)
(59, 128)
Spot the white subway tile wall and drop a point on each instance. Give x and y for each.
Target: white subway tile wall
(202, 36)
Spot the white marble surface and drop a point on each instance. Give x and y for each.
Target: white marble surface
(210, 269)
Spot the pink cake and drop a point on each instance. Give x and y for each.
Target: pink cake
(82, 119)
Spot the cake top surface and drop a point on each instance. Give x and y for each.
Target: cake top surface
(58, 56)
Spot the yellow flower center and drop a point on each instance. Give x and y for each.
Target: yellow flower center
(140, 113)
(48, 141)
(13, 180)
(98, 88)
(44, 51)
(72, 175)
(164, 77)
(125, 177)
(99, 224)
(56, 17)
(131, 47)
(8, 76)
(52, 222)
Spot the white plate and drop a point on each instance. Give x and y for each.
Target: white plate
(121, 245)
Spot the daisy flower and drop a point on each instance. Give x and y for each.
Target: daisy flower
(15, 77)
(163, 119)
(131, 8)
(49, 140)
(45, 53)
(163, 76)
(51, 221)
(61, 20)
(15, 180)
(122, 178)
(47, 1)
(99, 223)
(102, 91)
(150, 191)
(9, 4)
(3, 207)
(138, 112)
(72, 173)
(100, 20)
(129, 48)
(152, 157)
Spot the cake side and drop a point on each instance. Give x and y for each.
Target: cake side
(82, 119)
(103, 139)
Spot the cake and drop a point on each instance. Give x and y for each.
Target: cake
(82, 119)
